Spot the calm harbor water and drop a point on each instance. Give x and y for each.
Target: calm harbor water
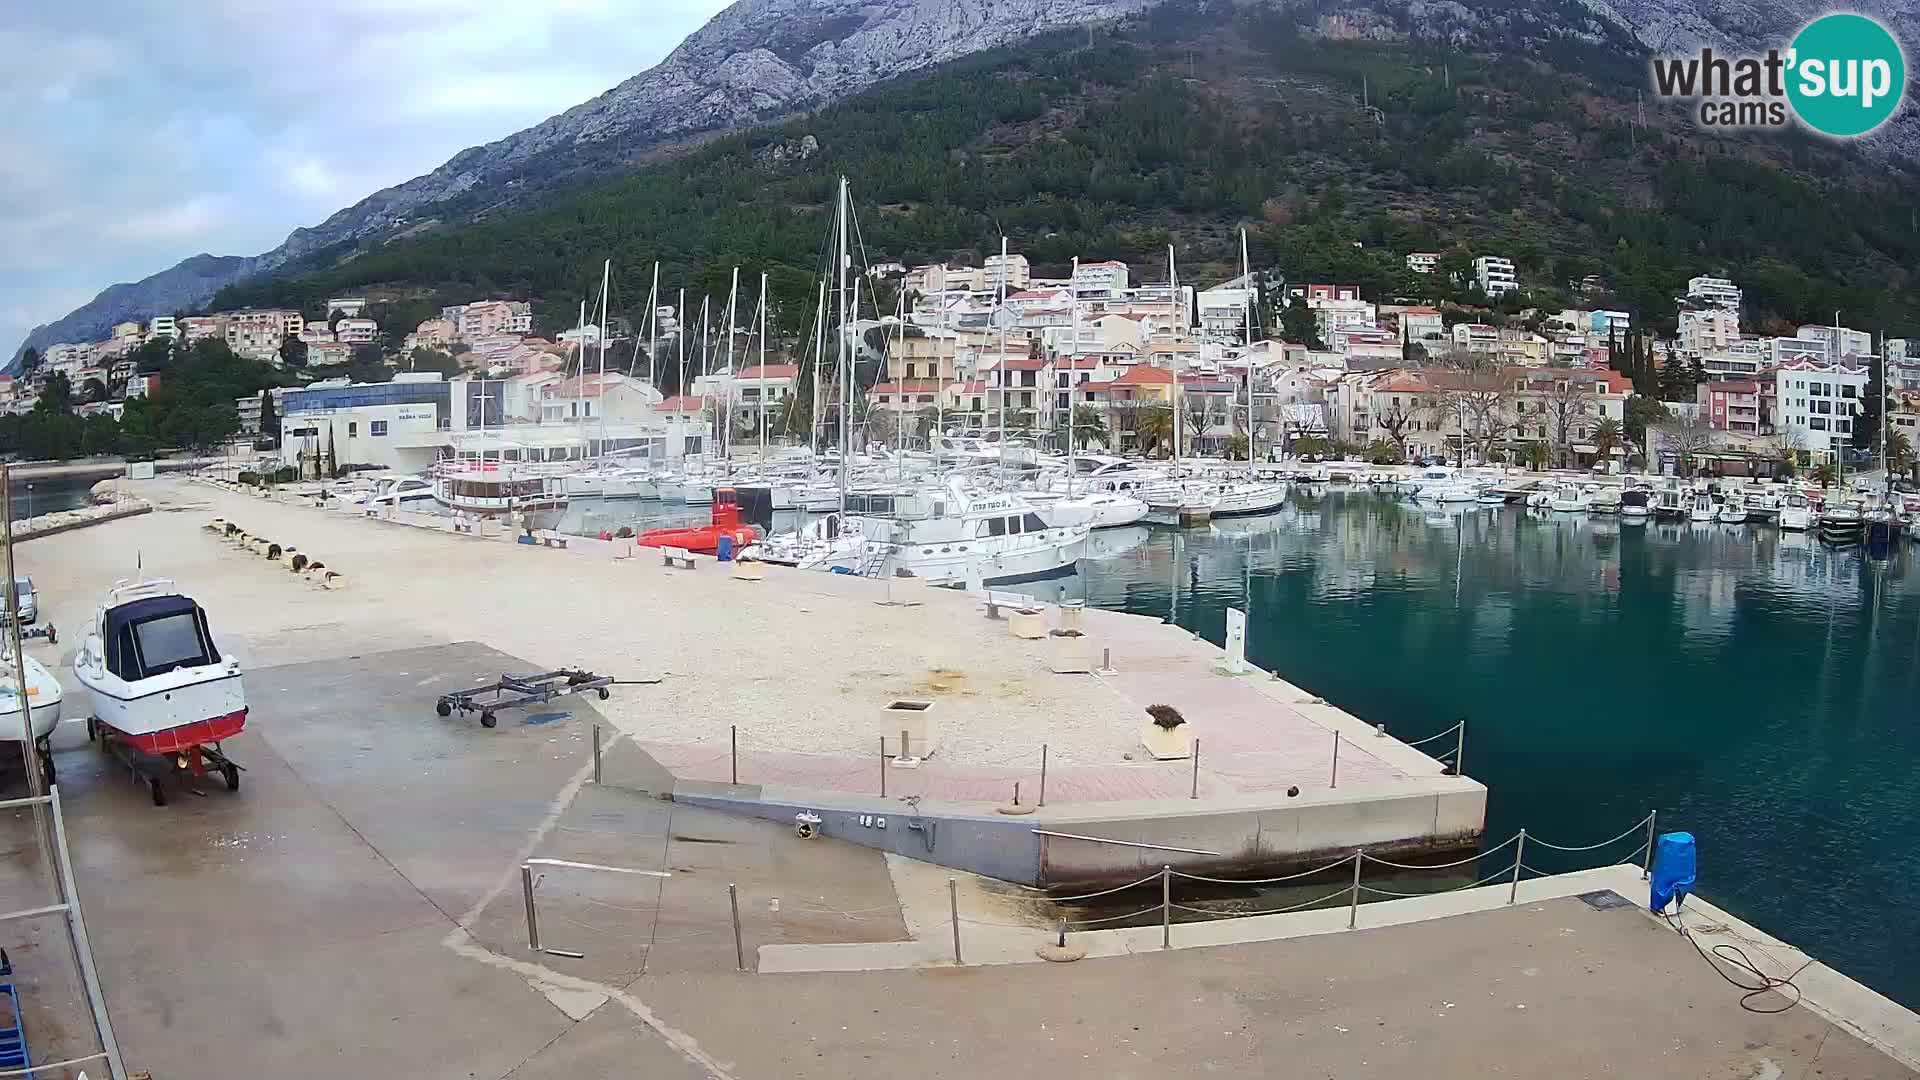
(1758, 689)
(50, 495)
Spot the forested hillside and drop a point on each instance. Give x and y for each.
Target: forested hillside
(1163, 133)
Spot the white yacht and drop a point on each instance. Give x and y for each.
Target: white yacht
(1569, 499)
(43, 706)
(942, 535)
(1733, 509)
(535, 502)
(1634, 506)
(1439, 483)
(608, 483)
(402, 492)
(1098, 510)
(1606, 500)
(1796, 512)
(1700, 507)
(1671, 501)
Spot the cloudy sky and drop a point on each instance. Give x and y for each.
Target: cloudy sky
(139, 132)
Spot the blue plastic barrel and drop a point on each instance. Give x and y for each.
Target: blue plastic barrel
(724, 552)
(1673, 870)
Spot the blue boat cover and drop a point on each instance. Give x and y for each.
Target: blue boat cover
(1673, 859)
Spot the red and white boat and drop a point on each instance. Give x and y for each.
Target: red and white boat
(160, 686)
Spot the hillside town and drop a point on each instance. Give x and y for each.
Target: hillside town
(996, 349)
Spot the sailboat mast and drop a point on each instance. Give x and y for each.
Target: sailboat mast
(733, 319)
(1001, 313)
(819, 354)
(762, 402)
(940, 372)
(580, 370)
(1173, 298)
(1073, 375)
(653, 323)
(900, 415)
(842, 365)
(680, 348)
(606, 318)
(1246, 355)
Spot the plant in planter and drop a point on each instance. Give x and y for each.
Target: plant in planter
(1163, 734)
(1166, 717)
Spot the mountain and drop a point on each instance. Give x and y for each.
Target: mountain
(762, 59)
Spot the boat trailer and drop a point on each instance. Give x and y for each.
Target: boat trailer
(188, 758)
(516, 690)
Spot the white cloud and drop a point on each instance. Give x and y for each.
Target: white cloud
(221, 125)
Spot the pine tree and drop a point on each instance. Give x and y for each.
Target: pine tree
(1866, 423)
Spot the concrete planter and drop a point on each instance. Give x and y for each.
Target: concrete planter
(1072, 652)
(1031, 625)
(1073, 615)
(1167, 745)
(749, 571)
(907, 729)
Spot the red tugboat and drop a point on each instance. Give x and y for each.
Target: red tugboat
(705, 539)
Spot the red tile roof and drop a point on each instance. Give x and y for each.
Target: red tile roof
(1145, 375)
(1021, 363)
(682, 403)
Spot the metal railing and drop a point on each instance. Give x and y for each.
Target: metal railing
(1511, 872)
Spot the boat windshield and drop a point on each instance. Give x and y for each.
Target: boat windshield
(169, 642)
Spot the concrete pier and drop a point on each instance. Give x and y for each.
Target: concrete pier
(773, 696)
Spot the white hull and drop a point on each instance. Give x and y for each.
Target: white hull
(1700, 517)
(1249, 499)
(1796, 518)
(608, 486)
(1034, 557)
(1094, 511)
(43, 701)
(163, 702)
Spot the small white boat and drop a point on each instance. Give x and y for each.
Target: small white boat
(1101, 510)
(1733, 510)
(1796, 512)
(43, 707)
(1634, 508)
(1700, 508)
(1605, 501)
(403, 492)
(160, 686)
(1568, 499)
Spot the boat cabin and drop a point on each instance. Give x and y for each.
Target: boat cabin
(154, 635)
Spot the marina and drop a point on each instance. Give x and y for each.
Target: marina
(341, 693)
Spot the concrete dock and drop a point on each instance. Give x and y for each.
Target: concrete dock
(355, 908)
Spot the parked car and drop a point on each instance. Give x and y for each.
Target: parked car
(29, 603)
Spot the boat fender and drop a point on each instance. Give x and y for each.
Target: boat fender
(299, 563)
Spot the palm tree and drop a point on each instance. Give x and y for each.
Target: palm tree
(1900, 457)
(1154, 430)
(1090, 426)
(1606, 436)
(1824, 474)
(1536, 455)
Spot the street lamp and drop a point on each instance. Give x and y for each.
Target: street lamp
(29, 502)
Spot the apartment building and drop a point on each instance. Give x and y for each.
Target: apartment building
(257, 333)
(1100, 280)
(1732, 405)
(1708, 329)
(490, 317)
(163, 326)
(1495, 275)
(1715, 292)
(356, 331)
(1423, 262)
(1010, 272)
(200, 327)
(1818, 402)
(1476, 337)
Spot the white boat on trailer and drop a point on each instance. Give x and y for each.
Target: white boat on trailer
(44, 699)
(161, 689)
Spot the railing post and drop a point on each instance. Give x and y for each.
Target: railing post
(1043, 774)
(883, 766)
(533, 921)
(953, 909)
(733, 751)
(1519, 853)
(1653, 825)
(1460, 749)
(1353, 902)
(1335, 781)
(1166, 906)
(1196, 770)
(596, 753)
(739, 951)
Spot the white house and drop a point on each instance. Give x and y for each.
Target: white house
(1423, 262)
(1100, 280)
(1494, 275)
(1714, 292)
(1819, 402)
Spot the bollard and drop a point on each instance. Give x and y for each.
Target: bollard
(533, 921)
(1460, 750)
(1335, 781)
(1196, 770)
(1353, 904)
(1519, 852)
(733, 750)
(1646, 866)
(953, 908)
(1166, 907)
(1043, 779)
(596, 753)
(1016, 793)
(739, 951)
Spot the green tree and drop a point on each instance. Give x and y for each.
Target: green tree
(1866, 423)
(1299, 324)
(1536, 454)
(1606, 436)
(269, 419)
(1900, 455)
(56, 395)
(154, 355)
(1153, 430)
(1090, 427)
(293, 353)
(1643, 412)
(424, 359)
(1825, 474)
(93, 390)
